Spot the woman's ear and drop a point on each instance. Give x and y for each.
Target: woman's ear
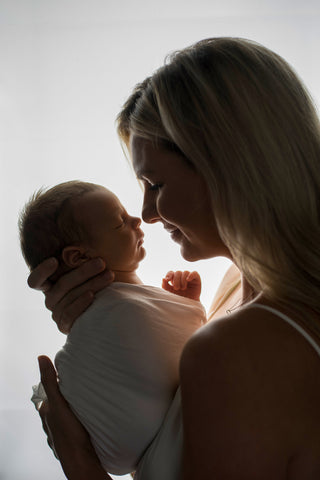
(74, 256)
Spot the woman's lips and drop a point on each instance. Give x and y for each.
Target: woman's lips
(174, 232)
(175, 235)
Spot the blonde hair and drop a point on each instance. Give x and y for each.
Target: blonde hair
(239, 113)
(47, 223)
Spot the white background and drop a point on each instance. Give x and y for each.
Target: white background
(66, 68)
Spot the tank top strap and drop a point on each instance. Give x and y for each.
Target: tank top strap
(292, 323)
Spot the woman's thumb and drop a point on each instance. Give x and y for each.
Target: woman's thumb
(48, 376)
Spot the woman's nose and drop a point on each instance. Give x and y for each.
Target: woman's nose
(149, 212)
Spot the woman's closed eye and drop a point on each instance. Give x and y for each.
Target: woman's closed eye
(148, 185)
(155, 186)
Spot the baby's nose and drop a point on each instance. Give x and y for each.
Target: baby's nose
(136, 221)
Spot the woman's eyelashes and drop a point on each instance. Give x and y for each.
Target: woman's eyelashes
(148, 185)
(155, 186)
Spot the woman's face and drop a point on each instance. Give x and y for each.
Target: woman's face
(177, 196)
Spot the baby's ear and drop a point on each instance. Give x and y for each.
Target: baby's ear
(74, 256)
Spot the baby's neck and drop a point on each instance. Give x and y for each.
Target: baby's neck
(119, 276)
(127, 277)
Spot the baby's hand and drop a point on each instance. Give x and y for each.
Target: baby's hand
(185, 284)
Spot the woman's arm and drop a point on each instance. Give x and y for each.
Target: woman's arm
(72, 294)
(66, 436)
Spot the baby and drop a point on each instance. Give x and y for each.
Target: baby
(119, 366)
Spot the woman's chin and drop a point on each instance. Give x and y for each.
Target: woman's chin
(189, 254)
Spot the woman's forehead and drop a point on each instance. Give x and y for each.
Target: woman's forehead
(148, 160)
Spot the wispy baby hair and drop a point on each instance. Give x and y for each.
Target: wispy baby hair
(47, 223)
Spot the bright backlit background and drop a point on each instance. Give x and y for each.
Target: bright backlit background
(66, 68)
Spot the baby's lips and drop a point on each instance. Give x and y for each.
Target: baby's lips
(140, 240)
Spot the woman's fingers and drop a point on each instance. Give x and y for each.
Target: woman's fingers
(52, 410)
(50, 384)
(48, 377)
(73, 292)
(65, 314)
(65, 434)
(38, 278)
(76, 301)
(73, 279)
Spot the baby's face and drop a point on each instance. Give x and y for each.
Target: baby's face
(113, 234)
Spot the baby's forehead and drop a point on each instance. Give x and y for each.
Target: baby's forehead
(97, 203)
(104, 197)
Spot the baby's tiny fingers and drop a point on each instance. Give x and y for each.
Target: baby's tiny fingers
(166, 285)
(193, 276)
(176, 282)
(169, 276)
(184, 280)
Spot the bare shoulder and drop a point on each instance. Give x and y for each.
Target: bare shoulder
(227, 337)
(247, 384)
(246, 334)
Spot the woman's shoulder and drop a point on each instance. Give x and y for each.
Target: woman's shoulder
(254, 328)
(254, 343)
(254, 378)
(241, 326)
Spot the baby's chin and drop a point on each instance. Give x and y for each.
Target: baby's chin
(144, 253)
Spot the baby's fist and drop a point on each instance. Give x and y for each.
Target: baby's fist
(186, 284)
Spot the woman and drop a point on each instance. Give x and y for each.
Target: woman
(226, 142)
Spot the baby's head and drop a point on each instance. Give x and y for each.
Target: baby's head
(75, 221)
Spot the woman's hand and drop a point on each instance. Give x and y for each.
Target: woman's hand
(185, 284)
(66, 436)
(72, 294)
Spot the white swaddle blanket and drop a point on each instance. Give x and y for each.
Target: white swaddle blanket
(163, 458)
(119, 367)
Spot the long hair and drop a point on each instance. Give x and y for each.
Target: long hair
(240, 114)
